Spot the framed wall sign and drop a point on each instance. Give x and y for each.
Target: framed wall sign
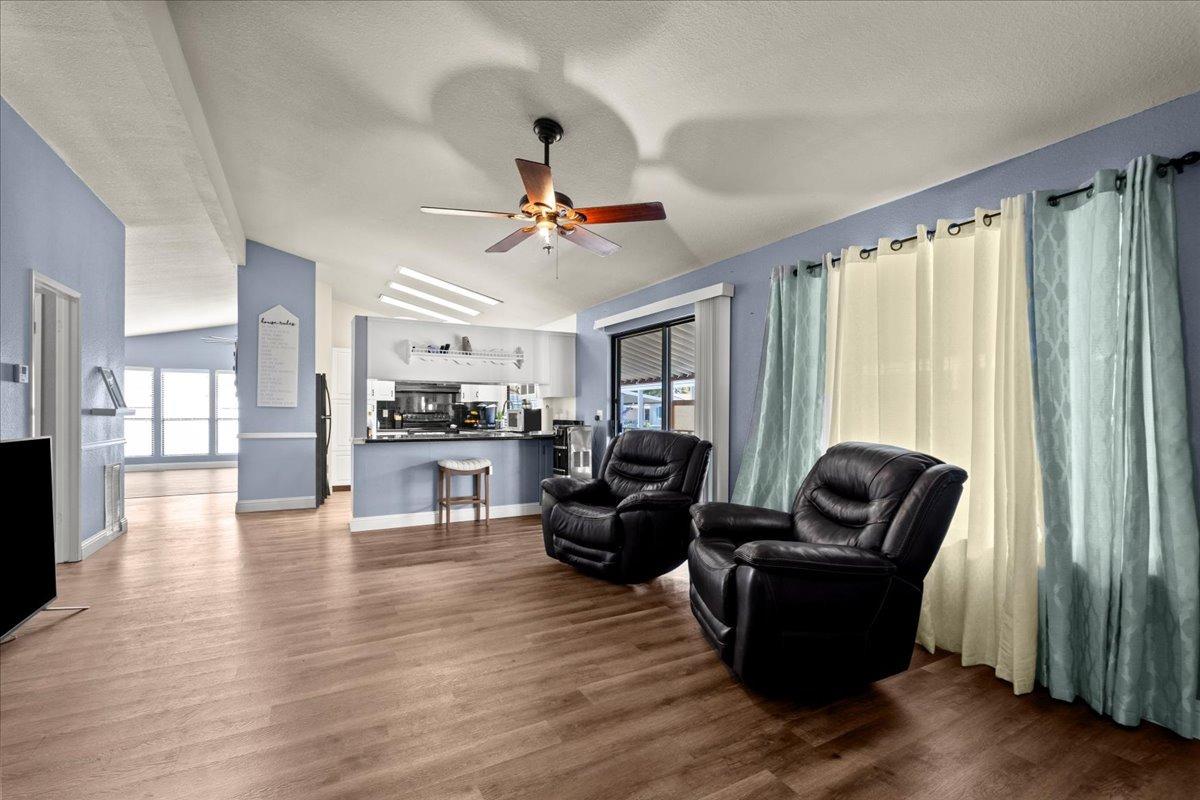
(278, 358)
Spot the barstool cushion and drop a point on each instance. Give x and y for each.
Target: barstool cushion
(466, 464)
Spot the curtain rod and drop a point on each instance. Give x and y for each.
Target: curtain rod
(1188, 159)
(1185, 160)
(897, 244)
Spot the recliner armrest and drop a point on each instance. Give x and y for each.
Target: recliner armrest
(564, 488)
(655, 501)
(738, 522)
(826, 559)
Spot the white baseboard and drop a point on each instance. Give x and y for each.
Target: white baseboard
(160, 466)
(275, 504)
(462, 514)
(97, 540)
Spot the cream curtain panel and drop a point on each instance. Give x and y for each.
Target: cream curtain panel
(928, 348)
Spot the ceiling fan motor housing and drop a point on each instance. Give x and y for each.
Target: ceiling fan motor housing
(548, 131)
(559, 197)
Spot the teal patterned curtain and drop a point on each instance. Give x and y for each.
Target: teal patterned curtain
(787, 436)
(1118, 599)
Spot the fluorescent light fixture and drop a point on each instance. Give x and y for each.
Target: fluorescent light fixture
(391, 301)
(450, 287)
(433, 298)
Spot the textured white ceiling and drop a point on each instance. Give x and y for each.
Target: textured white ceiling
(749, 121)
(106, 85)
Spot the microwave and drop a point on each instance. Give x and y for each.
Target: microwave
(526, 420)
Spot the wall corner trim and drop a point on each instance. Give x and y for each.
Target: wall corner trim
(687, 298)
(275, 504)
(97, 445)
(97, 540)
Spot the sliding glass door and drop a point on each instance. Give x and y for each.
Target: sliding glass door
(641, 359)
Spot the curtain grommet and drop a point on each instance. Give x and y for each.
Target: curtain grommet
(953, 228)
(896, 245)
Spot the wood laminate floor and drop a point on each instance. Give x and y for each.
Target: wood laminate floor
(161, 483)
(277, 656)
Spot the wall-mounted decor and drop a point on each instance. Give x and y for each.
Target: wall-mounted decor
(119, 409)
(278, 358)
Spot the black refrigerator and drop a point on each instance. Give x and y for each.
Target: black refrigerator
(324, 434)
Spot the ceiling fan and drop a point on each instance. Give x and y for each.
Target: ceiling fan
(549, 212)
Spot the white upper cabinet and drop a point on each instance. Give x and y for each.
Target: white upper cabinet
(381, 390)
(482, 393)
(399, 350)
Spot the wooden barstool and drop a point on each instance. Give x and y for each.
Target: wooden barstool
(481, 470)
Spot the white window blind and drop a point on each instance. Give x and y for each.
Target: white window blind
(186, 412)
(139, 426)
(227, 412)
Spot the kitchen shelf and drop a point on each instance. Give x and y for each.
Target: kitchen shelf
(410, 352)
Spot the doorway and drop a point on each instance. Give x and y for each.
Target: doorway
(54, 400)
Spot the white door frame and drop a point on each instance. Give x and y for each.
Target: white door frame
(342, 404)
(67, 451)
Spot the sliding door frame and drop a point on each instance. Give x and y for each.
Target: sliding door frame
(664, 368)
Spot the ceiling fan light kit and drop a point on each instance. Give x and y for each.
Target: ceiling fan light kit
(553, 213)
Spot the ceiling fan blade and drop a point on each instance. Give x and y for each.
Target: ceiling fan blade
(632, 212)
(466, 212)
(511, 241)
(588, 240)
(538, 186)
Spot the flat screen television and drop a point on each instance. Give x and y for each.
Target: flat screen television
(27, 568)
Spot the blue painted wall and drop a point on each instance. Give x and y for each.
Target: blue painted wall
(180, 350)
(276, 468)
(1170, 129)
(52, 223)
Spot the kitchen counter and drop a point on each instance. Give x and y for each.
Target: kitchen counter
(465, 436)
(394, 487)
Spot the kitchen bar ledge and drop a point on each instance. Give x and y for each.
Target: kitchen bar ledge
(470, 436)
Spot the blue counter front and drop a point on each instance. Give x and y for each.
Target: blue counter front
(395, 483)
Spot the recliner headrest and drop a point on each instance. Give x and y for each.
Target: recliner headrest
(640, 460)
(853, 492)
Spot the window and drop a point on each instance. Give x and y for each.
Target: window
(186, 412)
(640, 360)
(139, 426)
(227, 412)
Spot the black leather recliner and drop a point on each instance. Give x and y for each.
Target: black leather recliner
(828, 595)
(631, 524)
